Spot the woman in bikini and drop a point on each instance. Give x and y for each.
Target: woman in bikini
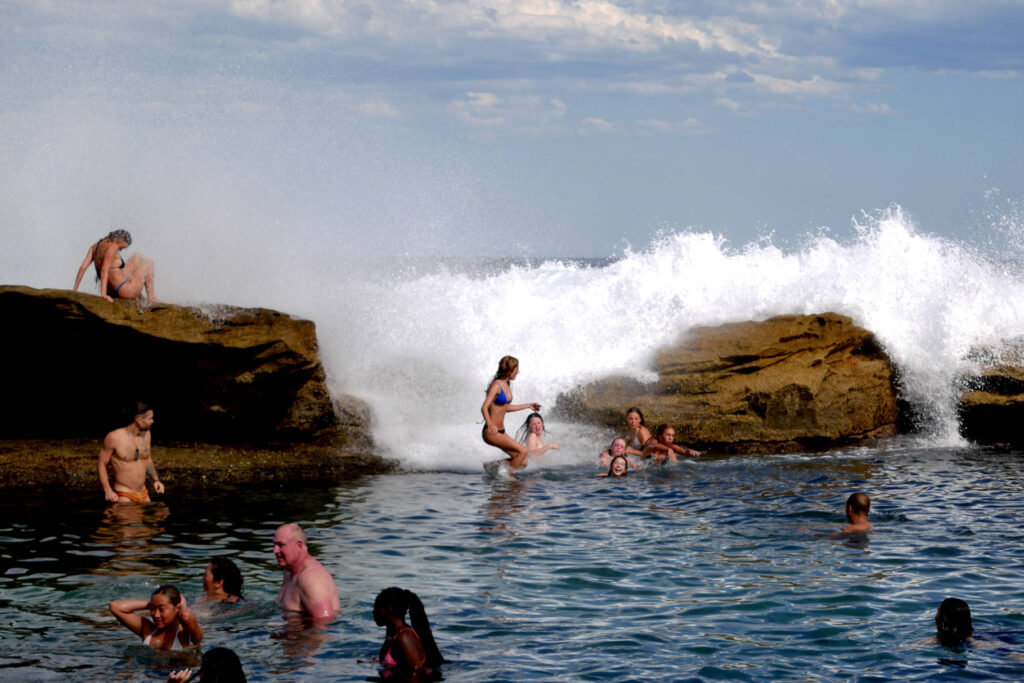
(118, 278)
(409, 653)
(531, 434)
(498, 402)
(172, 625)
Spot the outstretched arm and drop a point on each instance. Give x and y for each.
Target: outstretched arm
(535, 447)
(523, 406)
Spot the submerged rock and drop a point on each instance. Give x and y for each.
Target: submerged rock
(221, 375)
(787, 383)
(992, 406)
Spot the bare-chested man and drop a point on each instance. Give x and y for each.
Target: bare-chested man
(307, 587)
(128, 450)
(118, 278)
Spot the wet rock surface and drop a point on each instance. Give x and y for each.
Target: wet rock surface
(801, 382)
(991, 408)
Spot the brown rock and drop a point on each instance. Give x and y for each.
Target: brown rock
(73, 361)
(992, 406)
(788, 383)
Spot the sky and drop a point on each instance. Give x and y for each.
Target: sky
(502, 128)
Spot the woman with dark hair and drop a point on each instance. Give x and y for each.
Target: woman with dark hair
(222, 581)
(953, 623)
(638, 434)
(531, 434)
(498, 402)
(124, 280)
(409, 653)
(172, 625)
(220, 665)
(619, 467)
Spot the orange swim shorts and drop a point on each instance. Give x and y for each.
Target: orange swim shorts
(140, 497)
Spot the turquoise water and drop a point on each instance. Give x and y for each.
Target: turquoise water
(699, 572)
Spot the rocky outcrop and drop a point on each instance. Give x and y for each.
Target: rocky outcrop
(73, 361)
(788, 383)
(992, 406)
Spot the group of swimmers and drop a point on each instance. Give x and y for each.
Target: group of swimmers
(624, 453)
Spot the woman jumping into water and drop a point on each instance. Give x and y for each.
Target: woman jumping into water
(498, 402)
(172, 625)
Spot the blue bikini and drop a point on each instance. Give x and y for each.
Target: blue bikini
(500, 399)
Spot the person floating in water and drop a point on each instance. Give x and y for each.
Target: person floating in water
(219, 665)
(618, 449)
(531, 434)
(858, 505)
(953, 624)
(661, 446)
(409, 653)
(498, 402)
(307, 587)
(222, 582)
(172, 625)
(118, 278)
(618, 467)
(127, 449)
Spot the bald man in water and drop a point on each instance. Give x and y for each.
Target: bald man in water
(858, 505)
(307, 587)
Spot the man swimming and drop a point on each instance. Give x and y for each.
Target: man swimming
(858, 505)
(307, 587)
(127, 450)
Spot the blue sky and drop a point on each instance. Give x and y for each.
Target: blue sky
(509, 127)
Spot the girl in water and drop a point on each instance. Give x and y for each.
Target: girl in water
(618, 449)
(222, 581)
(409, 653)
(638, 434)
(661, 446)
(498, 402)
(618, 467)
(172, 625)
(532, 435)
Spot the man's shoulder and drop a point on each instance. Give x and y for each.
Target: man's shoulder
(115, 435)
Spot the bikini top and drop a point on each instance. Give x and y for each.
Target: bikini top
(387, 661)
(177, 643)
(501, 399)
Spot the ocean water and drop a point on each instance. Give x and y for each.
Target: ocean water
(698, 572)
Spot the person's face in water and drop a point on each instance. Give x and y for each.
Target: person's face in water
(617, 448)
(668, 436)
(633, 421)
(162, 610)
(536, 425)
(619, 467)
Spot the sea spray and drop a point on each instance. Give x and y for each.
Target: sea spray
(421, 344)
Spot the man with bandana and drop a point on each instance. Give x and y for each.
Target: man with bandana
(127, 451)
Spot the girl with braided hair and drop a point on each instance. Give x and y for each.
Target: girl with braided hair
(409, 653)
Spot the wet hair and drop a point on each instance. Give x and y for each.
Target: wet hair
(225, 570)
(524, 431)
(221, 665)
(136, 409)
(121, 236)
(634, 409)
(953, 622)
(859, 503)
(172, 593)
(612, 464)
(506, 366)
(618, 438)
(400, 601)
(661, 429)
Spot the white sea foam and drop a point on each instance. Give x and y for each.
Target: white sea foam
(421, 348)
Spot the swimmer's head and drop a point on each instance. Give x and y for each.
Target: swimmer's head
(633, 414)
(857, 504)
(221, 665)
(506, 367)
(618, 466)
(222, 569)
(617, 447)
(953, 621)
(662, 429)
(164, 605)
(120, 236)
